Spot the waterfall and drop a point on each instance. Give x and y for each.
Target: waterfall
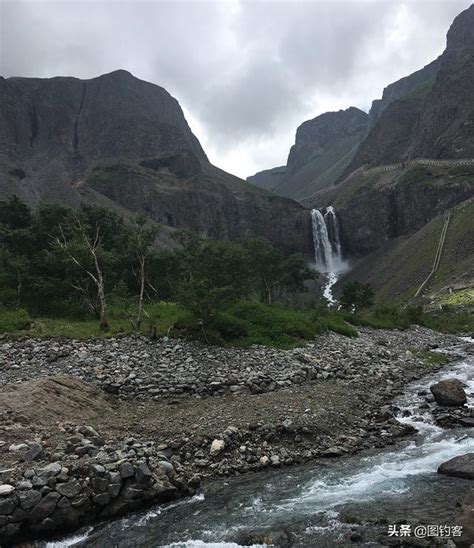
(326, 240)
(327, 247)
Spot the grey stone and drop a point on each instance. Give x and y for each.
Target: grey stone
(28, 499)
(99, 485)
(70, 489)
(449, 392)
(6, 490)
(102, 499)
(45, 507)
(7, 506)
(114, 489)
(35, 452)
(126, 470)
(460, 467)
(167, 467)
(143, 474)
(24, 485)
(52, 469)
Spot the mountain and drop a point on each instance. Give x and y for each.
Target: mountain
(125, 143)
(391, 217)
(429, 114)
(419, 80)
(269, 179)
(323, 149)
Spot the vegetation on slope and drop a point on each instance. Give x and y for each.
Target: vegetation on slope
(88, 272)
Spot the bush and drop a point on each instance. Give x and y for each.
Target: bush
(388, 317)
(229, 327)
(338, 325)
(14, 320)
(356, 296)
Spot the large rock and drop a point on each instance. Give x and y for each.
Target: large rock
(465, 519)
(449, 392)
(459, 467)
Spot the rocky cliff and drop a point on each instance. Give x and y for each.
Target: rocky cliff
(377, 208)
(429, 114)
(269, 179)
(323, 148)
(123, 142)
(419, 80)
(386, 214)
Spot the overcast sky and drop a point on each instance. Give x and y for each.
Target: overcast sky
(246, 73)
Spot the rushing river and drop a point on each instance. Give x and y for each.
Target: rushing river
(316, 504)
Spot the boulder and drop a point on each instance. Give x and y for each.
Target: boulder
(465, 519)
(449, 392)
(45, 507)
(69, 489)
(459, 467)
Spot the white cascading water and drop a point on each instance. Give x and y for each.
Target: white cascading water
(327, 248)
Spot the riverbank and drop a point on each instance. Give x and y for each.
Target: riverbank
(118, 451)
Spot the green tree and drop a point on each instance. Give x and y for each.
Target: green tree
(140, 246)
(209, 275)
(271, 272)
(17, 244)
(357, 296)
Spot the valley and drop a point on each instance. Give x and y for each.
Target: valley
(191, 359)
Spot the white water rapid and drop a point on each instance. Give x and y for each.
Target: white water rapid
(327, 248)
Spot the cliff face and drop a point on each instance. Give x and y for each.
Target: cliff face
(269, 179)
(377, 208)
(323, 148)
(422, 78)
(125, 142)
(397, 205)
(429, 114)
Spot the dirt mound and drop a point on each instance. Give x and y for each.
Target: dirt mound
(53, 399)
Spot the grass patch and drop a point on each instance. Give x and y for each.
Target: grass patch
(387, 317)
(248, 323)
(451, 322)
(243, 324)
(14, 320)
(462, 171)
(160, 319)
(433, 358)
(459, 298)
(416, 174)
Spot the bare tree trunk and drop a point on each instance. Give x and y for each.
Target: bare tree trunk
(98, 277)
(18, 289)
(104, 324)
(268, 290)
(142, 291)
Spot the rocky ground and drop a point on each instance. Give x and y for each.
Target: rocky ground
(95, 429)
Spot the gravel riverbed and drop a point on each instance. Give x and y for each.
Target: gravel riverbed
(92, 429)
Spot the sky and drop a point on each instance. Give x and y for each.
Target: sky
(246, 73)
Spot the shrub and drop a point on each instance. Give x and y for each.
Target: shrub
(14, 320)
(357, 295)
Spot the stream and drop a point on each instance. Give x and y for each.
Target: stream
(318, 504)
